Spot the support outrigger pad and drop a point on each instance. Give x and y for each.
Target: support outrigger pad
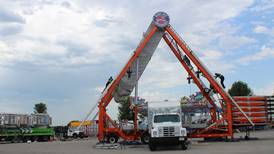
(102, 145)
(120, 145)
(131, 143)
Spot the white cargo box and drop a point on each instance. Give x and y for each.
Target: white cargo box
(162, 107)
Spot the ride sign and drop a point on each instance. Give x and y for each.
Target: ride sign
(161, 19)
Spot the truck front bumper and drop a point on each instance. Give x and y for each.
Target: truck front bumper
(167, 140)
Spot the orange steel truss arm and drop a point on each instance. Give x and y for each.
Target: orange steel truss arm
(108, 95)
(207, 75)
(111, 121)
(198, 63)
(107, 98)
(192, 74)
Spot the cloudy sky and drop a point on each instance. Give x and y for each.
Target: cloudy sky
(62, 51)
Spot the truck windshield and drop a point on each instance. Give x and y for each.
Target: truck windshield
(166, 118)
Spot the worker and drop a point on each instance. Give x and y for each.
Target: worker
(221, 77)
(129, 72)
(187, 61)
(189, 78)
(109, 81)
(198, 74)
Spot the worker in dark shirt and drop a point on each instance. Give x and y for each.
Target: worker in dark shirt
(221, 77)
(129, 72)
(109, 81)
(187, 61)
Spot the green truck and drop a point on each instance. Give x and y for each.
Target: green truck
(25, 134)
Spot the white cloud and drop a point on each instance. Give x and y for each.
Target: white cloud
(5, 55)
(9, 16)
(9, 107)
(51, 24)
(97, 27)
(267, 90)
(152, 96)
(206, 22)
(211, 55)
(264, 5)
(232, 42)
(261, 29)
(69, 34)
(163, 73)
(265, 52)
(99, 89)
(32, 51)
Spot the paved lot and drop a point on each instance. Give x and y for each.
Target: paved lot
(265, 145)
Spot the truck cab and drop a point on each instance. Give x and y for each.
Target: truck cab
(74, 133)
(166, 128)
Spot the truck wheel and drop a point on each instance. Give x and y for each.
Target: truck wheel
(14, 139)
(81, 135)
(75, 135)
(112, 139)
(184, 145)
(46, 138)
(145, 139)
(152, 147)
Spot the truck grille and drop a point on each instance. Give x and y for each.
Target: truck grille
(168, 131)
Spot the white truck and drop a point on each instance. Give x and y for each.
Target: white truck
(75, 133)
(165, 125)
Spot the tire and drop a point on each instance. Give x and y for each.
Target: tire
(75, 135)
(152, 147)
(35, 139)
(145, 139)
(207, 90)
(183, 145)
(46, 139)
(112, 139)
(14, 140)
(25, 139)
(81, 135)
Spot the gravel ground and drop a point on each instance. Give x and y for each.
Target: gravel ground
(264, 145)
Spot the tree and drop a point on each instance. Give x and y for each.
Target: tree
(125, 113)
(184, 100)
(240, 88)
(40, 108)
